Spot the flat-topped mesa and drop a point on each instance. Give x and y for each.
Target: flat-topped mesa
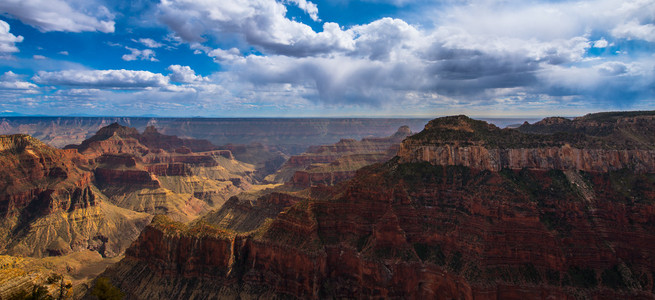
(561, 144)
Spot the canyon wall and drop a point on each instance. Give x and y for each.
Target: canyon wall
(466, 224)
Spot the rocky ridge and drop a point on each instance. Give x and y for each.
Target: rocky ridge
(49, 205)
(330, 164)
(159, 174)
(463, 141)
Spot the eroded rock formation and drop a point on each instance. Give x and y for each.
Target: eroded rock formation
(330, 164)
(49, 205)
(160, 174)
(420, 228)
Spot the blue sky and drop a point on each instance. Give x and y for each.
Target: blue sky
(300, 58)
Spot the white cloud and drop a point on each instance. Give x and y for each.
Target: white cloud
(60, 15)
(486, 54)
(136, 54)
(184, 74)
(636, 31)
(261, 23)
(612, 68)
(7, 40)
(63, 52)
(11, 81)
(148, 42)
(228, 56)
(38, 57)
(602, 43)
(384, 38)
(110, 79)
(308, 7)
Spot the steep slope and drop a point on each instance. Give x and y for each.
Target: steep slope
(75, 270)
(462, 141)
(49, 206)
(267, 159)
(159, 174)
(417, 227)
(330, 164)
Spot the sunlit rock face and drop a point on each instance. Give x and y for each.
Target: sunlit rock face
(50, 206)
(161, 174)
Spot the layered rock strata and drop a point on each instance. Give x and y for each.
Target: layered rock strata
(49, 205)
(415, 228)
(330, 164)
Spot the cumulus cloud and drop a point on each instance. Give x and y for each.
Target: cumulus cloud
(228, 56)
(475, 49)
(148, 42)
(7, 40)
(60, 15)
(602, 43)
(11, 81)
(184, 74)
(38, 57)
(483, 54)
(612, 68)
(108, 79)
(262, 23)
(308, 7)
(634, 30)
(136, 54)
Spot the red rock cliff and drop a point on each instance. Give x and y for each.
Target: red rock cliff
(475, 144)
(416, 230)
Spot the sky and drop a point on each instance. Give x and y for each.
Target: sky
(326, 58)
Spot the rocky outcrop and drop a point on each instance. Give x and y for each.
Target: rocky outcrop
(267, 159)
(160, 174)
(173, 169)
(466, 142)
(330, 164)
(560, 158)
(307, 179)
(413, 229)
(49, 205)
(117, 177)
(245, 215)
(33, 171)
(460, 234)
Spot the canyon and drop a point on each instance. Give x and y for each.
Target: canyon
(561, 208)
(96, 197)
(430, 223)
